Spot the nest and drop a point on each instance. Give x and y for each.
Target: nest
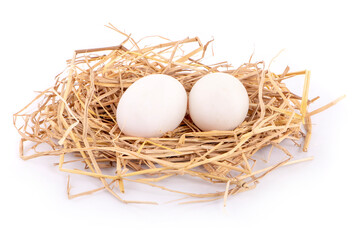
(76, 117)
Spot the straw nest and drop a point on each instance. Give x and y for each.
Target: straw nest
(77, 117)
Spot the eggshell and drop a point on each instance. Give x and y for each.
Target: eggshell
(152, 106)
(218, 101)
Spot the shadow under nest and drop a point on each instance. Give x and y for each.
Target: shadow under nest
(77, 116)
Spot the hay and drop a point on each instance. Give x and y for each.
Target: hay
(77, 116)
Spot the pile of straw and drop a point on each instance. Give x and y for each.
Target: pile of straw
(77, 116)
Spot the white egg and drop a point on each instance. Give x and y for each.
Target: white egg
(218, 101)
(152, 106)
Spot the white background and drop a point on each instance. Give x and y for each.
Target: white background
(317, 199)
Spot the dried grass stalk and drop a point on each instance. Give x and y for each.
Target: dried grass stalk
(77, 116)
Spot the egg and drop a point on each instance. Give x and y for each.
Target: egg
(218, 101)
(152, 106)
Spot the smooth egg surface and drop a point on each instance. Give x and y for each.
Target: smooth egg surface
(152, 106)
(218, 101)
